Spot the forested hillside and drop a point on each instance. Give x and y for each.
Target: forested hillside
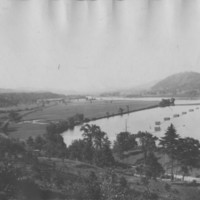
(183, 84)
(14, 99)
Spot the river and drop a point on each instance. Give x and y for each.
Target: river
(186, 124)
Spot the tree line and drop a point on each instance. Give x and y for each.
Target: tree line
(20, 162)
(95, 148)
(14, 99)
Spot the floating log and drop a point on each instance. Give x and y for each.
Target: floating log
(191, 110)
(166, 118)
(157, 129)
(157, 123)
(184, 113)
(176, 115)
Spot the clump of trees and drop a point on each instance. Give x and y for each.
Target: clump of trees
(121, 111)
(25, 168)
(167, 102)
(64, 125)
(13, 158)
(14, 99)
(50, 145)
(125, 141)
(148, 166)
(14, 116)
(182, 152)
(188, 155)
(94, 148)
(169, 145)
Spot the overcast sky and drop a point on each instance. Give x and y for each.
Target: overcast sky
(90, 46)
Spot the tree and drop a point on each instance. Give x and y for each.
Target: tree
(10, 149)
(39, 143)
(14, 116)
(71, 122)
(51, 128)
(79, 117)
(30, 142)
(124, 142)
(150, 167)
(55, 146)
(99, 138)
(97, 146)
(76, 150)
(88, 150)
(107, 114)
(93, 135)
(188, 154)
(9, 176)
(115, 188)
(147, 144)
(103, 157)
(57, 128)
(127, 107)
(121, 110)
(153, 168)
(169, 146)
(93, 187)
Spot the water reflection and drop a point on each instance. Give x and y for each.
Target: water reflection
(186, 124)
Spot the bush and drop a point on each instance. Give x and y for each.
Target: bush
(123, 182)
(193, 183)
(167, 187)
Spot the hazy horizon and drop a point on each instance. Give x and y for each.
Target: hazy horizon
(96, 46)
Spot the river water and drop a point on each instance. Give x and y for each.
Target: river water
(186, 124)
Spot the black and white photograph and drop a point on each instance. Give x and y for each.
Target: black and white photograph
(99, 99)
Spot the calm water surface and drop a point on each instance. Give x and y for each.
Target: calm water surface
(187, 125)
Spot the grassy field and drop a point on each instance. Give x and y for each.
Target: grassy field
(165, 189)
(23, 131)
(96, 109)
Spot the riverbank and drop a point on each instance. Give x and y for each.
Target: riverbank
(94, 110)
(124, 113)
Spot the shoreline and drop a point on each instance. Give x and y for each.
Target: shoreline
(131, 111)
(124, 113)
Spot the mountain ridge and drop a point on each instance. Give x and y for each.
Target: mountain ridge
(184, 83)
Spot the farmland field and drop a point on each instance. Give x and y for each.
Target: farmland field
(96, 109)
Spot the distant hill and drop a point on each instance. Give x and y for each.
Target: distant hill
(181, 84)
(6, 90)
(136, 91)
(185, 84)
(14, 98)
